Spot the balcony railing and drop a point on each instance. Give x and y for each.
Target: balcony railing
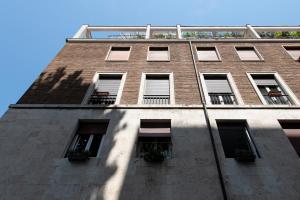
(102, 99)
(156, 99)
(187, 32)
(278, 100)
(222, 98)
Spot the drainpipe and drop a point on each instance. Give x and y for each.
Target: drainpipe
(208, 124)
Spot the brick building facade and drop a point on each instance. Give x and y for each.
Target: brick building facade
(159, 113)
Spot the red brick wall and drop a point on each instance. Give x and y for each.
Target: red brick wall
(68, 76)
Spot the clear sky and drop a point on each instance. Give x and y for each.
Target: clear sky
(33, 31)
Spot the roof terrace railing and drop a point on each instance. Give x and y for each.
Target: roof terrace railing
(187, 32)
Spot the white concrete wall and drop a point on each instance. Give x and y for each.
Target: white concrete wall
(276, 174)
(33, 142)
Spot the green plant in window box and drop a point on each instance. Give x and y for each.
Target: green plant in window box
(154, 153)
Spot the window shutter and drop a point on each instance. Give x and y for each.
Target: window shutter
(156, 128)
(207, 53)
(265, 82)
(119, 53)
(247, 53)
(92, 128)
(158, 53)
(110, 85)
(294, 53)
(217, 85)
(157, 86)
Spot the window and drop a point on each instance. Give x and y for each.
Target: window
(157, 89)
(154, 140)
(270, 90)
(207, 54)
(292, 131)
(294, 52)
(118, 54)
(236, 140)
(106, 89)
(219, 90)
(158, 54)
(248, 54)
(87, 140)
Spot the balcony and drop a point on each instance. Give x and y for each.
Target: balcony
(222, 98)
(102, 98)
(156, 99)
(179, 32)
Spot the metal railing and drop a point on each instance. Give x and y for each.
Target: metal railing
(156, 99)
(278, 100)
(188, 32)
(222, 98)
(102, 99)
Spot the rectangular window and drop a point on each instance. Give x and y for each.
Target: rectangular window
(207, 54)
(236, 140)
(158, 54)
(248, 53)
(294, 52)
(292, 131)
(154, 140)
(219, 89)
(271, 91)
(87, 140)
(118, 54)
(106, 89)
(157, 89)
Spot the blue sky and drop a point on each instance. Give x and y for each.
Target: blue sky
(32, 32)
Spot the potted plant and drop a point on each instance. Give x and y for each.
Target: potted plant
(154, 153)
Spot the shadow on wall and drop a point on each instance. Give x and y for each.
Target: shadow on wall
(189, 174)
(59, 87)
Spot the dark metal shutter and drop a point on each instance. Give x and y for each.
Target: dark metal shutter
(157, 86)
(108, 84)
(217, 85)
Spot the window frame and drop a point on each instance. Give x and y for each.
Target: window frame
(91, 88)
(137, 143)
(75, 135)
(232, 85)
(216, 50)
(248, 133)
(282, 84)
(169, 54)
(110, 50)
(260, 57)
(142, 89)
(286, 51)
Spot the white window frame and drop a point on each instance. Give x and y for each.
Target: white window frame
(261, 58)
(142, 88)
(280, 82)
(286, 51)
(169, 54)
(109, 51)
(232, 85)
(217, 52)
(91, 88)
